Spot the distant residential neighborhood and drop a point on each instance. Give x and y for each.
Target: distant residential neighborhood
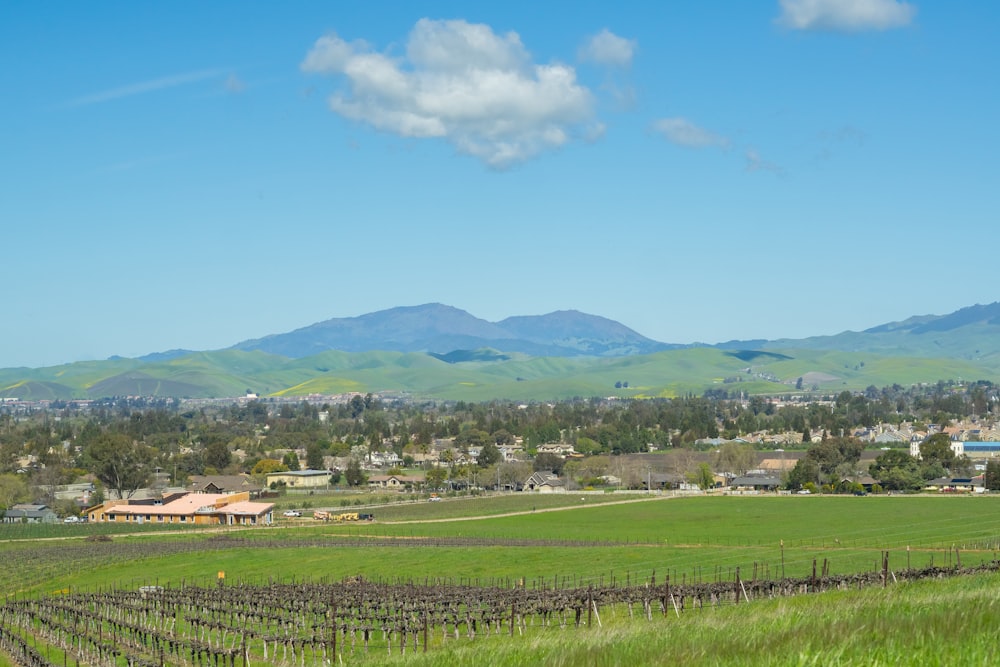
(146, 460)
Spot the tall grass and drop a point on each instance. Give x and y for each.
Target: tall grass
(942, 622)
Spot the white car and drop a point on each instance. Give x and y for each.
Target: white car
(292, 513)
(71, 519)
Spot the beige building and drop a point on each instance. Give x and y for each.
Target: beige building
(299, 479)
(232, 509)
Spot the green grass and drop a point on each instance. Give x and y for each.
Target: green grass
(671, 373)
(926, 623)
(687, 539)
(729, 521)
(697, 538)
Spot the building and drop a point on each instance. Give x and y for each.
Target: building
(755, 483)
(299, 479)
(544, 482)
(28, 513)
(227, 509)
(980, 449)
(224, 484)
(395, 482)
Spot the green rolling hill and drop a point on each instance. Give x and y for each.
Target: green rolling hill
(230, 373)
(584, 356)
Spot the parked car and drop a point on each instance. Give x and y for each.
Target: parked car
(71, 519)
(292, 513)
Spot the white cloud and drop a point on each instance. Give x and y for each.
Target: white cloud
(847, 15)
(146, 87)
(607, 48)
(754, 162)
(683, 132)
(463, 83)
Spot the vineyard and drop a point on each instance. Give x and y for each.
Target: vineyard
(362, 595)
(313, 623)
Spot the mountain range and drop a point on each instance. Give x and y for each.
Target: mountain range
(438, 351)
(441, 329)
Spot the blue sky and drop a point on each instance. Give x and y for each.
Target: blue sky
(189, 175)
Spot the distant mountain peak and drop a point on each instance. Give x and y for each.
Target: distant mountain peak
(440, 329)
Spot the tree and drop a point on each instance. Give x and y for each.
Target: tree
(702, 476)
(265, 466)
(217, 455)
(896, 470)
(13, 490)
(937, 448)
(806, 471)
(120, 462)
(735, 458)
(435, 478)
(354, 475)
(992, 477)
(502, 437)
(834, 453)
(314, 456)
(547, 461)
(291, 459)
(488, 455)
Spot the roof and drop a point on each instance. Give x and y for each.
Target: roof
(196, 503)
(29, 512)
(185, 505)
(224, 482)
(756, 480)
(247, 508)
(543, 479)
(864, 480)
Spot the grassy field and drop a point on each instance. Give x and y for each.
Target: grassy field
(546, 537)
(573, 540)
(926, 623)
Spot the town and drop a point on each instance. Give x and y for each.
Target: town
(232, 462)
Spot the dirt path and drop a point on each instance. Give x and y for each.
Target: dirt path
(479, 517)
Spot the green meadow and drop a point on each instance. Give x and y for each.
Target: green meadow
(586, 539)
(577, 540)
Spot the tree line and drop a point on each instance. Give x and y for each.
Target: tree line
(122, 441)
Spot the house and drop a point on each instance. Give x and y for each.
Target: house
(395, 482)
(227, 509)
(544, 482)
(957, 485)
(387, 459)
(866, 481)
(663, 481)
(299, 479)
(224, 484)
(28, 513)
(557, 448)
(755, 483)
(981, 448)
(891, 438)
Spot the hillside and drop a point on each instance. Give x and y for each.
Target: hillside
(971, 334)
(442, 329)
(439, 352)
(230, 373)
